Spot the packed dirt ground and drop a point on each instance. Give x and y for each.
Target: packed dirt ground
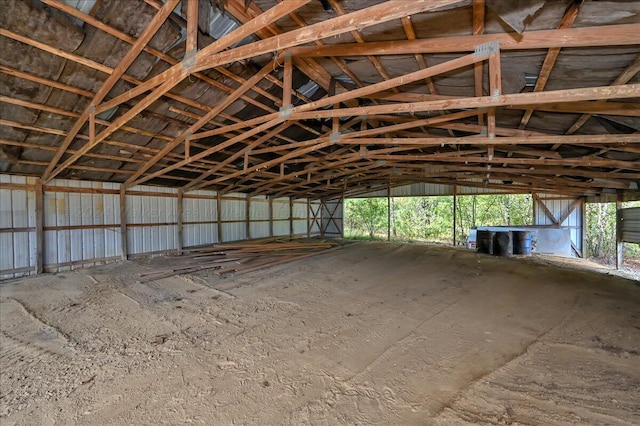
(375, 333)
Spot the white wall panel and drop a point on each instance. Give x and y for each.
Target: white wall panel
(558, 206)
(81, 222)
(17, 210)
(259, 215)
(281, 225)
(199, 210)
(152, 209)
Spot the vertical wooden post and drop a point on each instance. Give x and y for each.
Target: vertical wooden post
(180, 219)
(219, 213)
(192, 27)
(287, 80)
(388, 211)
(270, 216)
(248, 216)
(619, 244)
(455, 204)
(533, 210)
(123, 222)
(495, 87)
(39, 268)
(308, 218)
(291, 217)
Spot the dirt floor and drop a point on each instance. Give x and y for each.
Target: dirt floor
(375, 333)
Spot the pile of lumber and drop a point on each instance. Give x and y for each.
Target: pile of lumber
(241, 257)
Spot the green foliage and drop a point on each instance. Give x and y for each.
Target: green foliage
(601, 232)
(431, 218)
(367, 215)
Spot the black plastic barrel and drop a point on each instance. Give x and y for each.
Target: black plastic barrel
(522, 242)
(484, 242)
(503, 244)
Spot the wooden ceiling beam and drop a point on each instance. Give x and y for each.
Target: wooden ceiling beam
(533, 98)
(170, 78)
(146, 35)
(183, 136)
(549, 62)
(598, 36)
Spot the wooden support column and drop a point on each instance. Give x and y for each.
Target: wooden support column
(619, 244)
(123, 222)
(39, 227)
(308, 218)
(219, 212)
(248, 217)
(180, 219)
(455, 202)
(290, 216)
(495, 87)
(478, 67)
(287, 80)
(270, 217)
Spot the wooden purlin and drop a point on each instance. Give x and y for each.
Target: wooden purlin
(533, 98)
(605, 35)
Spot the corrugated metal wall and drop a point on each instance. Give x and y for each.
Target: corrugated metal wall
(152, 219)
(281, 225)
(260, 217)
(199, 218)
(333, 218)
(81, 222)
(630, 219)
(17, 226)
(562, 211)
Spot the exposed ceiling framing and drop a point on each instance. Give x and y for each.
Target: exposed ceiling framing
(294, 100)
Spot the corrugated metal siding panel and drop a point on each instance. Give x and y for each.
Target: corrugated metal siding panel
(149, 209)
(259, 217)
(17, 210)
(235, 211)
(315, 228)
(199, 210)
(300, 217)
(631, 225)
(558, 206)
(281, 224)
(63, 247)
(332, 218)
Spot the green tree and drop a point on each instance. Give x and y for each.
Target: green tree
(367, 215)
